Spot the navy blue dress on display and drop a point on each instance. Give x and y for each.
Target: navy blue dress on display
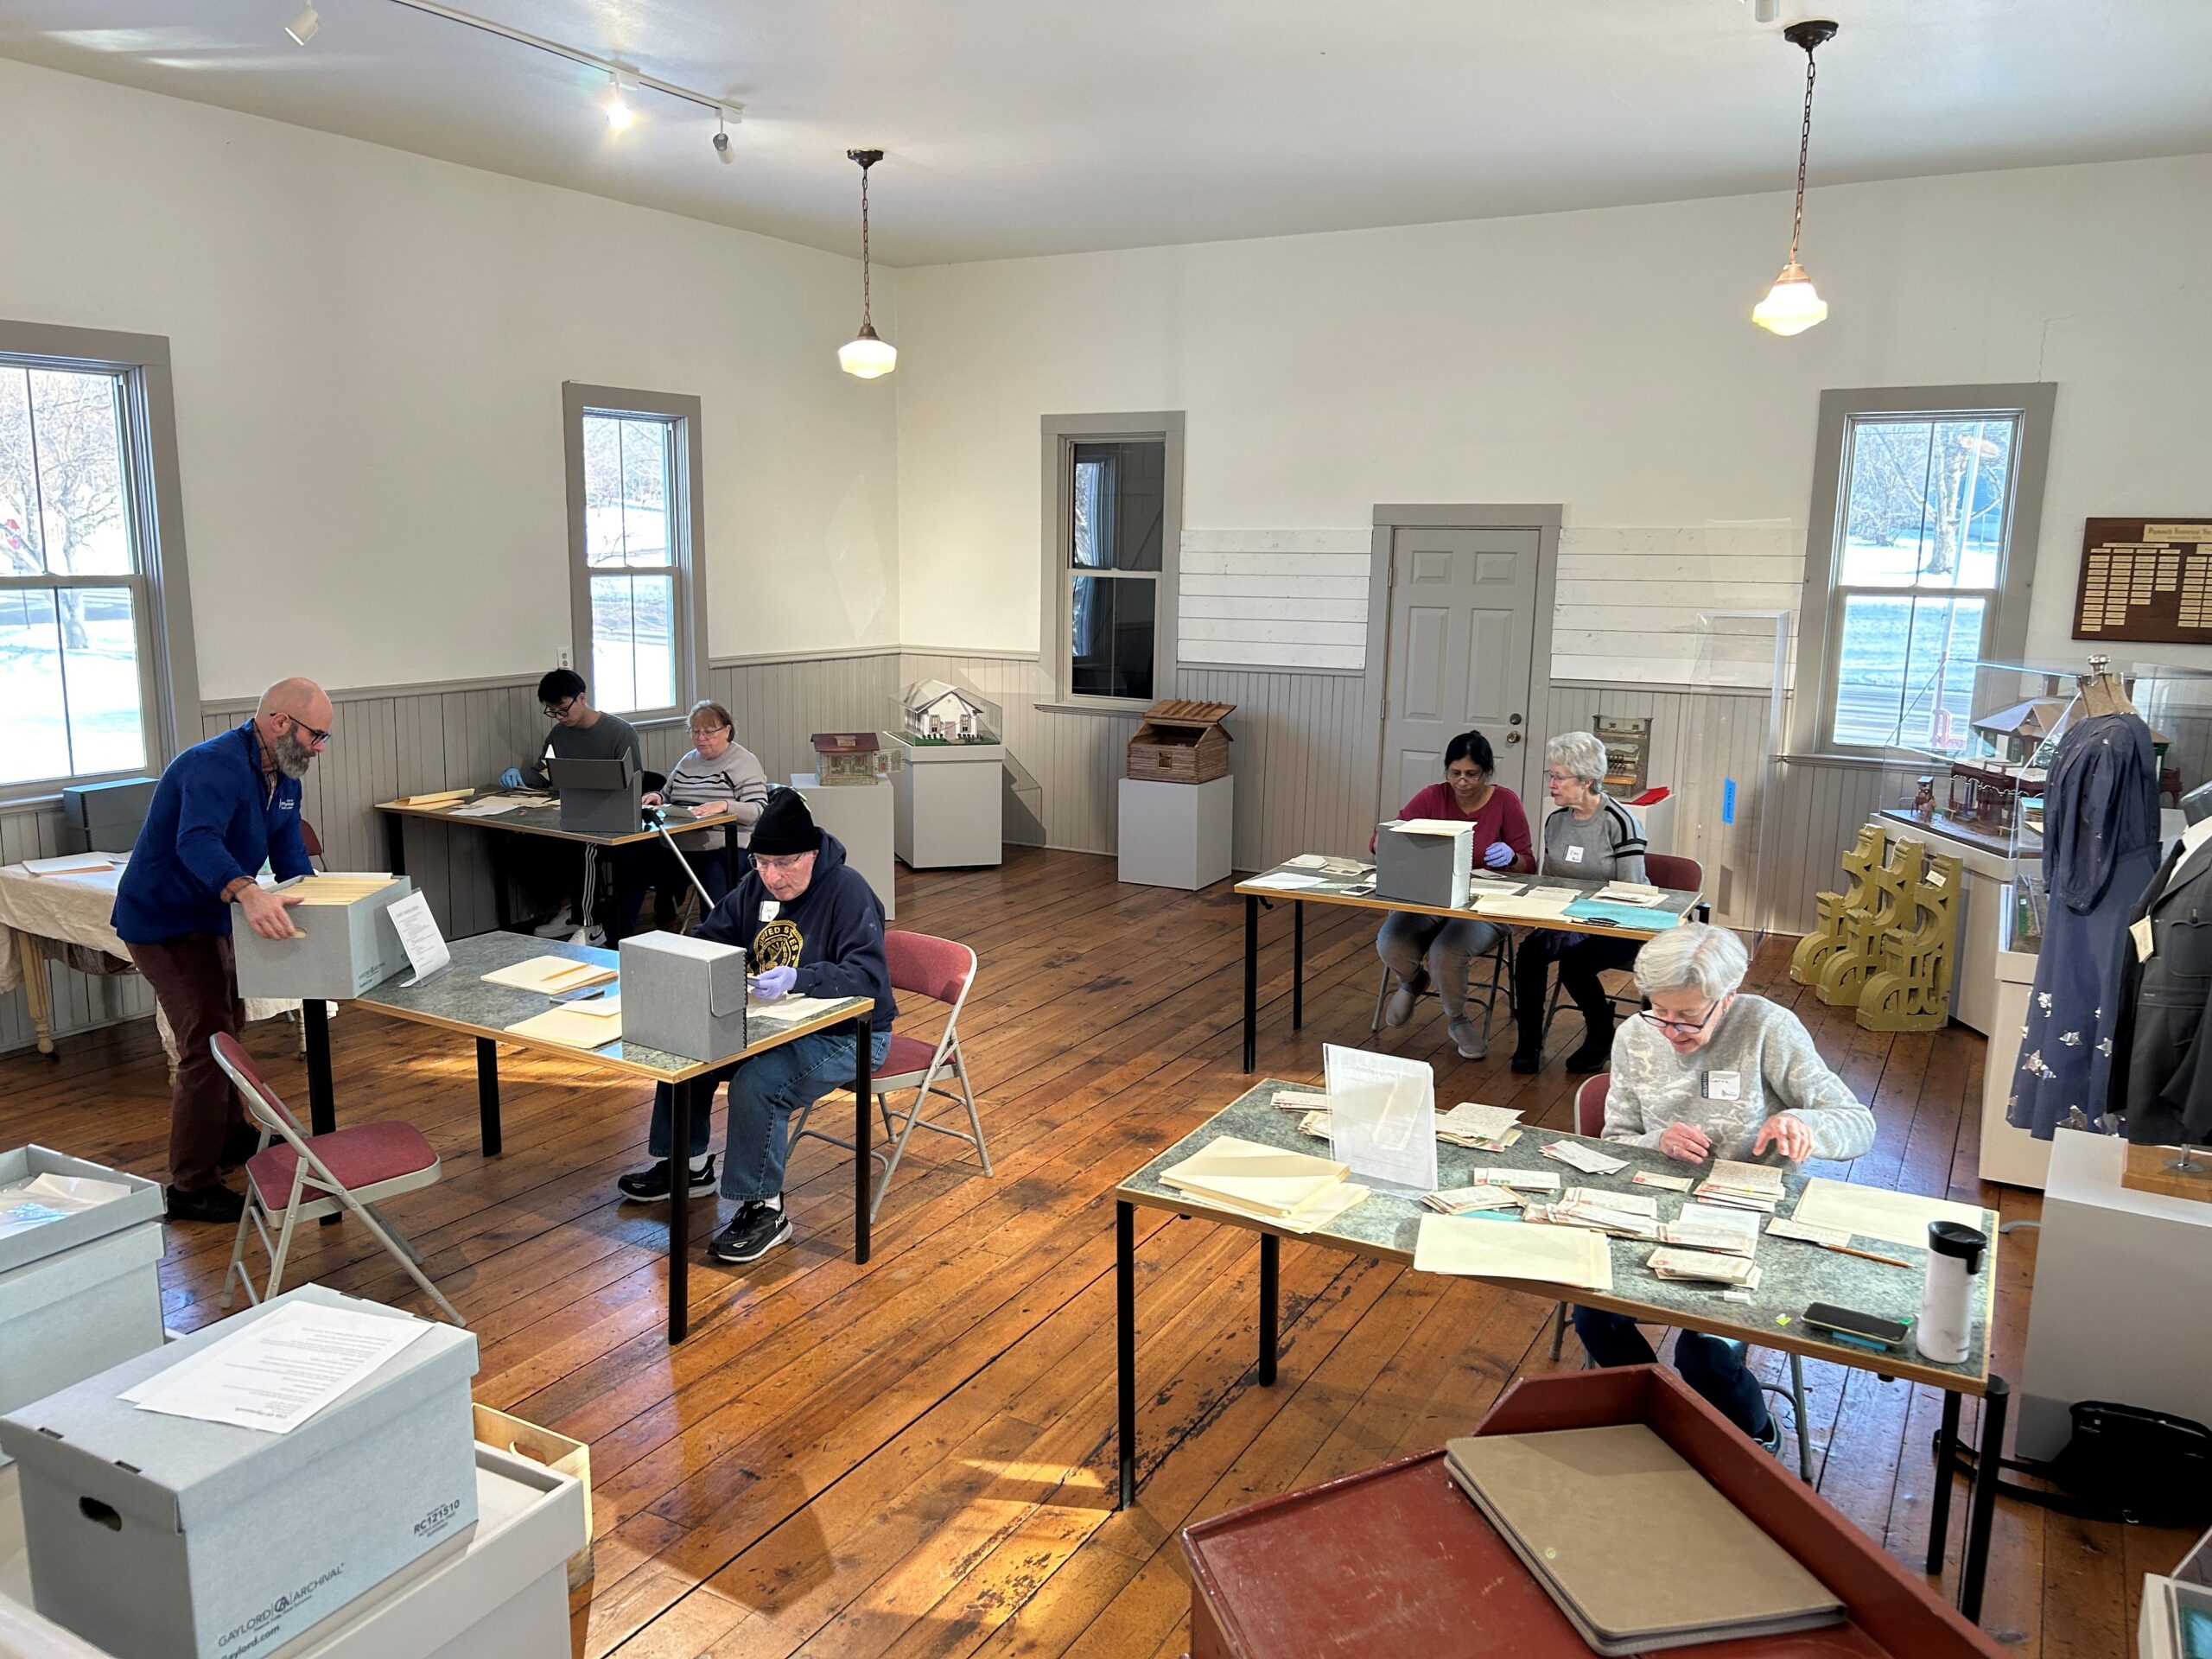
(2100, 850)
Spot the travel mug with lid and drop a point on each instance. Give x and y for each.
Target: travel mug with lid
(1945, 1323)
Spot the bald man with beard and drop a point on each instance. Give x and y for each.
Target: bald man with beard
(223, 807)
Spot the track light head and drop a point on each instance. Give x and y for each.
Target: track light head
(302, 28)
(722, 147)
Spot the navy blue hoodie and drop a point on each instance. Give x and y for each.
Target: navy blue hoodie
(832, 933)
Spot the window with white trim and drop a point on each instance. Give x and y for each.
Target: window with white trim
(1113, 536)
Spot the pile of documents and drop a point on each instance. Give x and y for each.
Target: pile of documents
(1577, 1154)
(1747, 1186)
(1485, 1128)
(1630, 893)
(1709, 1267)
(1573, 1257)
(1300, 1100)
(1714, 1227)
(1332, 867)
(1878, 1212)
(1832, 1238)
(552, 976)
(1634, 1546)
(592, 1024)
(1669, 1183)
(1625, 1215)
(279, 1370)
(1536, 905)
(1471, 1200)
(1294, 1191)
(43, 1199)
(75, 864)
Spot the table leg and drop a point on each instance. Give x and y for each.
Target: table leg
(395, 843)
(1270, 1254)
(1939, 1500)
(38, 992)
(487, 1094)
(681, 1101)
(322, 1099)
(499, 848)
(1125, 1347)
(1297, 963)
(863, 1065)
(1982, 1512)
(1251, 976)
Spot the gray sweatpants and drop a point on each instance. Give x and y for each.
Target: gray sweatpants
(1409, 943)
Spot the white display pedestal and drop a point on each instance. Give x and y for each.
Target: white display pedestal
(2013, 1156)
(860, 816)
(2122, 1281)
(504, 1597)
(948, 803)
(1982, 903)
(1175, 835)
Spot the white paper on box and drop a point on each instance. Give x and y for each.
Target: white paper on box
(419, 936)
(1383, 1116)
(25, 1205)
(280, 1371)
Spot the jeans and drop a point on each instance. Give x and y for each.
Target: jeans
(197, 986)
(1407, 942)
(1581, 958)
(1714, 1366)
(763, 1092)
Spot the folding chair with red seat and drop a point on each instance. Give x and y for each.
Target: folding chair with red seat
(306, 1177)
(1590, 1119)
(1669, 870)
(942, 971)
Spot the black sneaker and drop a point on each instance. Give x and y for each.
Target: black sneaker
(755, 1230)
(1771, 1439)
(217, 1203)
(1528, 1061)
(650, 1185)
(1591, 1056)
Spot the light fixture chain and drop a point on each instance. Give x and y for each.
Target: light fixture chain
(864, 258)
(1804, 147)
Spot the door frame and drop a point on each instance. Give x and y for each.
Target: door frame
(1545, 519)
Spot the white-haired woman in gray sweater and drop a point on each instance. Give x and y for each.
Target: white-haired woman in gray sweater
(1708, 1073)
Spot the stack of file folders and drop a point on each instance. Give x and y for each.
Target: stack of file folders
(1625, 1215)
(1294, 1191)
(1636, 1548)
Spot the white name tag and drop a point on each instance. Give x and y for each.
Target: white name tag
(769, 911)
(2140, 933)
(1574, 854)
(1723, 1085)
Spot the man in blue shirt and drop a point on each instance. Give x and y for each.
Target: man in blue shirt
(223, 807)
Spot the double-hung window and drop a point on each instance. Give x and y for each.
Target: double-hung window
(634, 530)
(1113, 498)
(1918, 561)
(91, 559)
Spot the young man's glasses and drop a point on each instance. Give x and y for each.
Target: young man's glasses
(558, 711)
(315, 738)
(1682, 1027)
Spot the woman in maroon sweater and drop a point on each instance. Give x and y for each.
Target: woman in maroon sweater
(1423, 949)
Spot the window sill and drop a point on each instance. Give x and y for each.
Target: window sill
(1110, 708)
(1843, 762)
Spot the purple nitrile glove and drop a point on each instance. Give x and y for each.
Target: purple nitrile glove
(1497, 855)
(774, 983)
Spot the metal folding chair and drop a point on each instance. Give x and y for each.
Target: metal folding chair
(944, 971)
(308, 1177)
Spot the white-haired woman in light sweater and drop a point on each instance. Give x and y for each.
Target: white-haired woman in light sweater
(1709, 1072)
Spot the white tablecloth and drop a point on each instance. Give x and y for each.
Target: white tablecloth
(74, 909)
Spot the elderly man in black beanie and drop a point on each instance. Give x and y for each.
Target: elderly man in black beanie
(812, 927)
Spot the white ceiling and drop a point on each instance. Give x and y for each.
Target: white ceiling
(1037, 126)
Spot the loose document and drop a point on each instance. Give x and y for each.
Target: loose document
(280, 1371)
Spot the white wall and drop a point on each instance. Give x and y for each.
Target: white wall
(1603, 359)
(369, 347)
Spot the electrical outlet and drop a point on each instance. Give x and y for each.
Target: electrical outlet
(563, 662)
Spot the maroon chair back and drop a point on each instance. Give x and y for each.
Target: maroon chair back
(311, 841)
(1590, 1105)
(261, 1099)
(1669, 870)
(926, 965)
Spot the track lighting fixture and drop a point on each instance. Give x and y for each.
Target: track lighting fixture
(302, 28)
(619, 113)
(722, 135)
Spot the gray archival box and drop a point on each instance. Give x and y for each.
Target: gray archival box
(598, 797)
(684, 995)
(167, 1537)
(1421, 869)
(341, 951)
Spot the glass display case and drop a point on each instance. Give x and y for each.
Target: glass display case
(948, 712)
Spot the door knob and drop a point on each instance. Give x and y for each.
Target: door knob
(1513, 737)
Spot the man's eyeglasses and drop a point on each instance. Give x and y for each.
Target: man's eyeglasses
(777, 865)
(558, 711)
(315, 738)
(1684, 1027)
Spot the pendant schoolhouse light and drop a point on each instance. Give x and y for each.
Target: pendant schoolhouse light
(1793, 304)
(865, 354)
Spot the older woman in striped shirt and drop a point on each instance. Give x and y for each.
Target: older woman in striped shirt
(718, 777)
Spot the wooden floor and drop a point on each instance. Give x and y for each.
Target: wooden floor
(916, 1456)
